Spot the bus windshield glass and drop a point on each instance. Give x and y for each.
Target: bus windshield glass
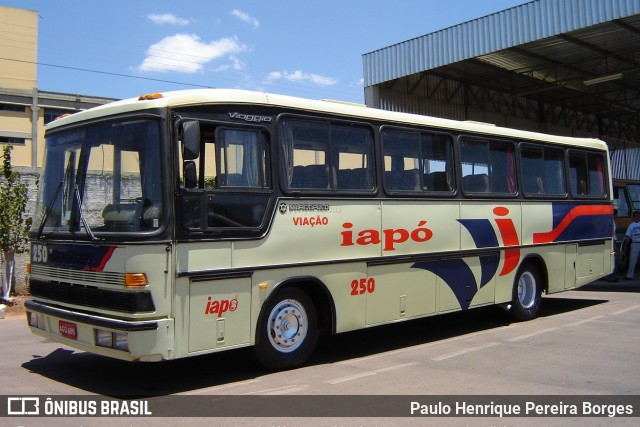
(101, 179)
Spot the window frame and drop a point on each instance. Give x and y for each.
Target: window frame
(450, 167)
(587, 155)
(331, 157)
(205, 194)
(489, 140)
(525, 145)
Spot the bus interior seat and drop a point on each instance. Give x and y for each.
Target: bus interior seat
(410, 180)
(312, 177)
(151, 216)
(297, 177)
(353, 179)
(476, 183)
(122, 216)
(389, 181)
(406, 180)
(437, 181)
(316, 176)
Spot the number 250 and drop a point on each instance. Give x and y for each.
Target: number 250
(363, 286)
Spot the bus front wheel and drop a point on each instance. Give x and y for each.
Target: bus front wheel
(287, 330)
(527, 293)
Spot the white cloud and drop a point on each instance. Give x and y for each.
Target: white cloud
(187, 53)
(234, 63)
(167, 18)
(245, 17)
(299, 76)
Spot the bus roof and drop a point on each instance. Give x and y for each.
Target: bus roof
(183, 98)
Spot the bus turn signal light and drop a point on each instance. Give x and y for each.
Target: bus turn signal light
(135, 280)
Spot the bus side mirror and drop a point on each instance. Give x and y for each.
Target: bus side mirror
(190, 140)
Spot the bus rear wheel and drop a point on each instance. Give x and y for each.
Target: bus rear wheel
(527, 293)
(287, 332)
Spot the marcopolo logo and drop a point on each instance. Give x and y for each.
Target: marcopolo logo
(304, 207)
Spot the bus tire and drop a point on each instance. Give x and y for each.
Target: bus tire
(287, 332)
(527, 293)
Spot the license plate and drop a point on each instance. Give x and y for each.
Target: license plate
(68, 329)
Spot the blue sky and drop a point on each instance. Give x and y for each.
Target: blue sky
(123, 48)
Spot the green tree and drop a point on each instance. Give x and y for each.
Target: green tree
(13, 226)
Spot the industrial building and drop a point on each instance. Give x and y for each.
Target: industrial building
(24, 108)
(565, 67)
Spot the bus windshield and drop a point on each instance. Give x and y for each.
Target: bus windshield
(101, 179)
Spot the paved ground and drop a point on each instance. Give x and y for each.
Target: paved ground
(585, 342)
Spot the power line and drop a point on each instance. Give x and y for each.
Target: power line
(339, 89)
(300, 87)
(86, 70)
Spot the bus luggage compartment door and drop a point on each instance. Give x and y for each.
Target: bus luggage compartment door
(591, 260)
(219, 313)
(397, 291)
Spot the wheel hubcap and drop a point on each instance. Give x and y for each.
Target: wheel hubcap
(527, 290)
(287, 327)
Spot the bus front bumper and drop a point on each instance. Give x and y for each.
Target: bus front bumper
(133, 340)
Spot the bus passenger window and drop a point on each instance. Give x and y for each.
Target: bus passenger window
(354, 160)
(488, 166)
(305, 147)
(437, 162)
(326, 156)
(542, 171)
(417, 161)
(587, 174)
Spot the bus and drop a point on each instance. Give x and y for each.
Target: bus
(626, 200)
(190, 222)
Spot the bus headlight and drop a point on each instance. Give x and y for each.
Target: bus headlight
(36, 320)
(121, 341)
(104, 338)
(115, 340)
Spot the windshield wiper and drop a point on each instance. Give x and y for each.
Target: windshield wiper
(81, 212)
(48, 210)
(76, 192)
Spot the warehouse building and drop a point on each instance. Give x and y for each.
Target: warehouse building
(566, 67)
(24, 108)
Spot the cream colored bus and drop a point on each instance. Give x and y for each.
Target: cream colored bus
(191, 222)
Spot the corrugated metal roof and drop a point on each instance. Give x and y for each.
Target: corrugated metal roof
(511, 27)
(625, 163)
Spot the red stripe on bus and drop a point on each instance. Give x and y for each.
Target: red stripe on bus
(104, 260)
(574, 213)
(509, 238)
